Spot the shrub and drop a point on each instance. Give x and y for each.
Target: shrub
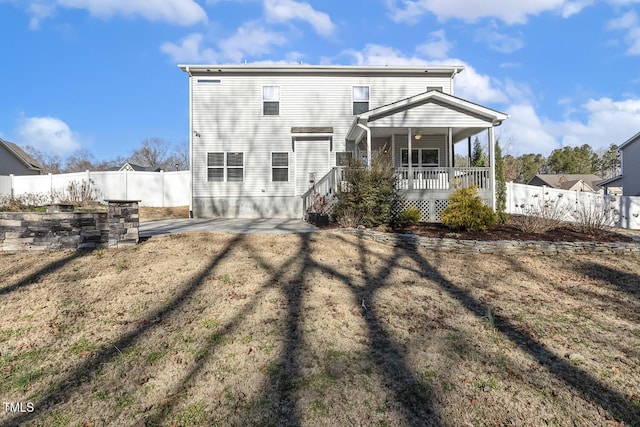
(368, 194)
(466, 211)
(77, 193)
(28, 202)
(409, 216)
(595, 216)
(540, 216)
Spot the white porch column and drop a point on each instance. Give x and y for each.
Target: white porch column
(450, 156)
(393, 150)
(410, 172)
(492, 166)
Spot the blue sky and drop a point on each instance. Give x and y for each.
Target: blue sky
(101, 74)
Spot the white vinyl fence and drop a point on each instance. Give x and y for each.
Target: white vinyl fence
(624, 211)
(160, 189)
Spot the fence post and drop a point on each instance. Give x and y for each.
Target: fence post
(163, 186)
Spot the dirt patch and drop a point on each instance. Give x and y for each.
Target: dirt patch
(152, 214)
(320, 329)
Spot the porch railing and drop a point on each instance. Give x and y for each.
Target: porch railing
(429, 178)
(424, 178)
(326, 186)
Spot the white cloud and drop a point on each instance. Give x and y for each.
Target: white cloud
(575, 7)
(39, 11)
(510, 12)
(286, 10)
(630, 23)
(48, 134)
(469, 84)
(250, 40)
(497, 41)
(179, 12)
(437, 46)
(190, 50)
(604, 122)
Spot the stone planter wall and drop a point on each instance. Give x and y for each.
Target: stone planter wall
(495, 247)
(59, 228)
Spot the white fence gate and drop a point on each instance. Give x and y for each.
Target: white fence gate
(160, 189)
(626, 209)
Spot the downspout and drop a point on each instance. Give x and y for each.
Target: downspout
(188, 71)
(366, 129)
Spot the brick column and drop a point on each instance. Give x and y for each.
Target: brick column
(123, 219)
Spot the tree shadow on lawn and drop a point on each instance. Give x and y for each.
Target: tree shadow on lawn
(284, 402)
(617, 405)
(60, 391)
(47, 269)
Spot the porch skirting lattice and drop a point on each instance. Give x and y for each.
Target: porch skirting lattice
(431, 208)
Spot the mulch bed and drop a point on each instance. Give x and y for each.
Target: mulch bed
(507, 231)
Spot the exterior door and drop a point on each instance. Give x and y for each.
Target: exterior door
(312, 163)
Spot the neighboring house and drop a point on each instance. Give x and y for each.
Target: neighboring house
(574, 182)
(128, 166)
(629, 178)
(13, 160)
(261, 137)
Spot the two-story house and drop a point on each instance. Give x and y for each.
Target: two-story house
(629, 178)
(262, 136)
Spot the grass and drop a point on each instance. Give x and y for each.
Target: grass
(208, 329)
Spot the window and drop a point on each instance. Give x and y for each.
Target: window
(360, 99)
(343, 157)
(216, 167)
(271, 100)
(280, 167)
(235, 169)
(430, 88)
(420, 157)
(429, 157)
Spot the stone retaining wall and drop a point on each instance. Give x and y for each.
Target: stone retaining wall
(61, 228)
(494, 247)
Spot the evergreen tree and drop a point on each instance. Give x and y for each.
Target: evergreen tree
(501, 186)
(478, 158)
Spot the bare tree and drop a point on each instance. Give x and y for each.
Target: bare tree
(51, 163)
(80, 161)
(153, 152)
(179, 159)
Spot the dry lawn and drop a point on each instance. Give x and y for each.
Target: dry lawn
(317, 330)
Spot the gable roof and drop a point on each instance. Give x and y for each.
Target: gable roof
(568, 180)
(630, 141)
(134, 167)
(431, 97)
(21, 155)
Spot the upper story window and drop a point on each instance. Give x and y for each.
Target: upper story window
(360, 99)
(430, 88)
(271, 100)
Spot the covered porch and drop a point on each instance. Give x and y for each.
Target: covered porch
(419, 136)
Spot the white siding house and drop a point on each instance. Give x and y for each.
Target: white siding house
(262, 136)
